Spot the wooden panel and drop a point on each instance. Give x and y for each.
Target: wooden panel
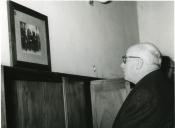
(107, 97)
(35, 99)
(25, 101)
(3, 106)
(54, 105)
(34, 105)
(78, 104)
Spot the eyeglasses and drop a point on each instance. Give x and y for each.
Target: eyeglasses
(124, 58)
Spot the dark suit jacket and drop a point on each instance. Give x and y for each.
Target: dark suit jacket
(149, 104)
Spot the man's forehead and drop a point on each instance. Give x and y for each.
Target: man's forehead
(133, 51)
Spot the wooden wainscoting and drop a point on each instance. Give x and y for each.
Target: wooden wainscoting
(36, 99)
(3, 105)
(33, 104)
(79, 113)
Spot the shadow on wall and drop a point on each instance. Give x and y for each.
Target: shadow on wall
(167, 67)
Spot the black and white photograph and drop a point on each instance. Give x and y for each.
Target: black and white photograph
(30, 46)
(30, 38)
(87, 64)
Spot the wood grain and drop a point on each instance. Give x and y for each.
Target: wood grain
(30, 108)
(78, 104)
(46, 99)
(35, 104)
(3, 103)
(54, 105)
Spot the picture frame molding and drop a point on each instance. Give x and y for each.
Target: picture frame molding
(12, 37)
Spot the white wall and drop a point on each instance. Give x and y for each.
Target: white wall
(156, 24)
(82, 35)
(4, 37)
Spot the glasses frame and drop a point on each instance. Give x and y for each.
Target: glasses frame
(124, 58)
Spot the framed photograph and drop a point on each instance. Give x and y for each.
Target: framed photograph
(29, 38)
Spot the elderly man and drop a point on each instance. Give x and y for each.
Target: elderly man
(150, 103)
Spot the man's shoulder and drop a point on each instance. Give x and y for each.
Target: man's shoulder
(153, 79)
(157, 75)
(142, 96)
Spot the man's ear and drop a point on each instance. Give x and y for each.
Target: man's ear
(139, 63)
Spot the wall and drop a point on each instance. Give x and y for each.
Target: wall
(82, 35)
(4, 37)
(156, 24)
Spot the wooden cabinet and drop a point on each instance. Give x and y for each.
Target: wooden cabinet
(45, 100)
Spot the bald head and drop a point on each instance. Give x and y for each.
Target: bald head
(147, 51)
